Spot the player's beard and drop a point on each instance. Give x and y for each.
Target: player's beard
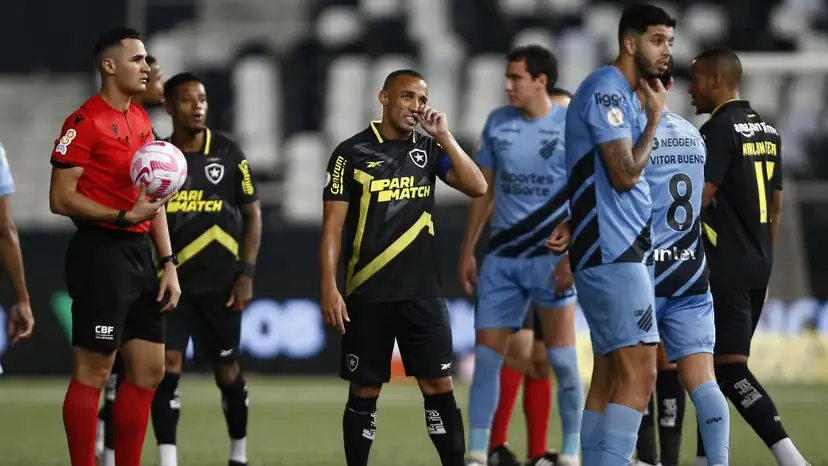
(645, 70)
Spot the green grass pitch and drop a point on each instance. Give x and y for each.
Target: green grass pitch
(297, 422)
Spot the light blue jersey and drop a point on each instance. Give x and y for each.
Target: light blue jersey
(530, 179)
(6, 180)
(529, 168)
(611, 239)
(608, 226)
(676, 178)
(684, 306)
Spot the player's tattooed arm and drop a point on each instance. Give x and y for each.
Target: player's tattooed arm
(624, 162)
(480, 212)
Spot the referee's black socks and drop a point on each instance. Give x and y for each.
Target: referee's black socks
(359, 426)
(445, 427)
(751, 400)
(672, 402)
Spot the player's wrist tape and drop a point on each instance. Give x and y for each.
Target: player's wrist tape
(121, 220)
(247, 269)
(171, 258)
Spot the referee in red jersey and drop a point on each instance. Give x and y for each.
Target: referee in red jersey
(118, 300)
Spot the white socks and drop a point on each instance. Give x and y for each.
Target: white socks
(168, 455)
(238, 450)
(786, 453)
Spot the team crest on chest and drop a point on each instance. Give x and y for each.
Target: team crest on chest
(419, 157)
(214, 172)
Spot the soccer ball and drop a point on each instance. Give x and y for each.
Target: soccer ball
(159, 166)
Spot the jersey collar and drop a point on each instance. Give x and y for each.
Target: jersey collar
(208, 141)
(736, 103)
(374, 125)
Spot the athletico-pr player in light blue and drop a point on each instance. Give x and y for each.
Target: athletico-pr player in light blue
(521, 155)
(607, 148)
(684, 305)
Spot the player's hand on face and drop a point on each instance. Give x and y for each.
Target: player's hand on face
(21, 321)
(168, 285)
(656, 97)
(558, 241)
(562, 275)
(433, 122)
(145, 209)
(467, 272)
(241, 294)
(334, 312)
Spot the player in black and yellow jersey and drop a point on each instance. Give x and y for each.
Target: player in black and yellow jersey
(742, 201)
(215, 227)
(380, 187)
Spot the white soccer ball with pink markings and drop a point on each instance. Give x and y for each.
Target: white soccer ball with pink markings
(159, 166)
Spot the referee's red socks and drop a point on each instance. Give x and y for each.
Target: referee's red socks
(510, 380)
(130, 417)
(537, 401)
(80, 419)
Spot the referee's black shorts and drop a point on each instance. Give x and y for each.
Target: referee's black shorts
(532, 322)
(214, 327)
(112, 280)
(420, 327)
(736, 313)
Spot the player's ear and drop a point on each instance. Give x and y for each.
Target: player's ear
(383, 98)
(107, 65)
(168, 108)
(542, 80)
(629, 44)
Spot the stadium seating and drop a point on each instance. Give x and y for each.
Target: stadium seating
(291, 78)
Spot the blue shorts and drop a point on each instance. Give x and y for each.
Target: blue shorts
(618, 302)
(506, 286)
(686, 325)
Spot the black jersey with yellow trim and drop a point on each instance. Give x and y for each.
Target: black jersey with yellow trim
(744, 161)
(204, 217)
(389, 229)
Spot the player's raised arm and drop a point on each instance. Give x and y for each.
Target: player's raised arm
(336, 198)
(611, 125)
(458, 171)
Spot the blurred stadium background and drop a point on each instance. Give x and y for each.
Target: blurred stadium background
(289, 79)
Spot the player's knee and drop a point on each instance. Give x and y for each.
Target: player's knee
(173, 360)
(91, 367)
(636, 371)
(365, 391)
(226, 374)
(496, 339)
(539, 364)
(435, 386)
(517, 362)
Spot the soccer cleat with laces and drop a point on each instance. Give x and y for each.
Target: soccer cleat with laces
(502, 456)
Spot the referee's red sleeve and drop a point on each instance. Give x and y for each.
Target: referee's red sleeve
(76, 141)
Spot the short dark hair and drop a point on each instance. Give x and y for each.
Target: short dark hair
(114, 37)
(171, 86)
(151, 60)
(539, 60)
(726, 61)
(392, 77)
(639, 17)
(560, 91)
